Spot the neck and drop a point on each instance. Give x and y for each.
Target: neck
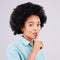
(28, 38)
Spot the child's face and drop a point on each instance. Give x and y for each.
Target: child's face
(32, 27)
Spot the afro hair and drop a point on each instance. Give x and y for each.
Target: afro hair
(22, 12)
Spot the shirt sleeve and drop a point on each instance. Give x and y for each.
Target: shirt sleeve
(40, 55)
(12, 54)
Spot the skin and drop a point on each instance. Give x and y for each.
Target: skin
(31, 28)
(30, 31)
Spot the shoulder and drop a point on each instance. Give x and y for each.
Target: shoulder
(17, 45)
(12, 51)
(13, 45)
(11, 48)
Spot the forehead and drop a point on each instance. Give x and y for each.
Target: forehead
(33, 19)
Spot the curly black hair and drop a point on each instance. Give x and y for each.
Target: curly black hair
(22, 12)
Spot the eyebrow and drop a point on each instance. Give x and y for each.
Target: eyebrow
(33, 22)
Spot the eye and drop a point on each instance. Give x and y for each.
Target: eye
(31, 25)
(38, 24)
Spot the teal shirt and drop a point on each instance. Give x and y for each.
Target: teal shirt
(20, 50)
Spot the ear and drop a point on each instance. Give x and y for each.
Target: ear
(22, 29)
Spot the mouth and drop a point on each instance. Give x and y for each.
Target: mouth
(35, 33)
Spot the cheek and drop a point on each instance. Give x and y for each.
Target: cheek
(28, 31)
(39, 29)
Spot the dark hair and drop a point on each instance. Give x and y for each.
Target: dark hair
(22, 12)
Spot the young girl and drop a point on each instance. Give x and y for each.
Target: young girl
(27, 20)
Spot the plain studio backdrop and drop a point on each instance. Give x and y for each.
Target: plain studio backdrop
(50, 34)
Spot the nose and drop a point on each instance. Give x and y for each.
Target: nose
(35, 28)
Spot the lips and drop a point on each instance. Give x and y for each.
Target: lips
(35, 33)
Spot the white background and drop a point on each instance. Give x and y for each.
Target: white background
(50, 34)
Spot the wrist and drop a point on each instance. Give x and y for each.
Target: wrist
(32, 55)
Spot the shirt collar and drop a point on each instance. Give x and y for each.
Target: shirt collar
(23, 40)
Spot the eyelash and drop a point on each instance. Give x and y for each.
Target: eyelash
(37, 24)
(30, 24)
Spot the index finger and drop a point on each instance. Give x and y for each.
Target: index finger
(37, 38)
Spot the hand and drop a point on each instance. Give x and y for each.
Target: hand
(38, 45)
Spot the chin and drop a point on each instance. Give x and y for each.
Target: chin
(34, 37)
